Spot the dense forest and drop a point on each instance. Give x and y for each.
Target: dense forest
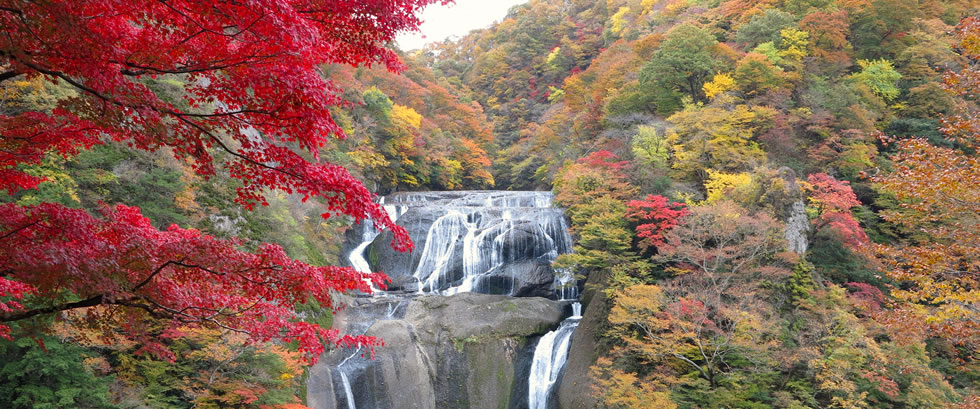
(775, 203)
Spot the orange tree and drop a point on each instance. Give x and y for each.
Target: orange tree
(939, 206)
(253, 106)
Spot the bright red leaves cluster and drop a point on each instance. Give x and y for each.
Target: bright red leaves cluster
(253, 98)
(656, 215)
(834, 200)
(72, 260)
(249, 71)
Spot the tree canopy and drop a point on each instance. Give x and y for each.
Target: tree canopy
(254, 106)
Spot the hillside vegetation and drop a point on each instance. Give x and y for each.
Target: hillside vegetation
(404, 131)
(775, 202)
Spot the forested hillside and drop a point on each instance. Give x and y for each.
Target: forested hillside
(775, 203)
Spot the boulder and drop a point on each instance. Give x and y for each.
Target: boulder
(461, 351)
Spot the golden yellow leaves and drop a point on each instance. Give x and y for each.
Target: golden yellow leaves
(721, 82)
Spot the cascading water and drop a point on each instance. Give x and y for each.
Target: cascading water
(440, 245)
(356, 256)
(487, 242)
(368, 234)
(549, 358)
(483, 241)
(565, 285)
(348, 393)
(362, 317)
(345, 381)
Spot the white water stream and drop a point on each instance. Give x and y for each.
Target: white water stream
(549, 358)
(348, 392)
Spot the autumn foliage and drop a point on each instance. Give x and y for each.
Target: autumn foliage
(122, 262)
(687, 141)
(656, 215)
(939, 205)
(833, 200)
(254, 106)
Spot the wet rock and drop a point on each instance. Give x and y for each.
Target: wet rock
(461, 351)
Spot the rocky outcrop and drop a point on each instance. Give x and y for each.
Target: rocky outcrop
(461, 351)
(797, 222)
(797, 228)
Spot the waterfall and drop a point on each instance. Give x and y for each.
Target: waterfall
(347, 390)
(549, 358)
(356, 256)
(479, 241)
(394, 211)
(345, 381)
(369, 233)
(565, 285)
(350, 370)
(440, 245)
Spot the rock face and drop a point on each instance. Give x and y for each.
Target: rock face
(480, 241)
(462, 351)
(797, 227)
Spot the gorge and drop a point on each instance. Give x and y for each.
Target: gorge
(473, 318)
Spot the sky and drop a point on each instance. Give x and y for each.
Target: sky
(440, 22)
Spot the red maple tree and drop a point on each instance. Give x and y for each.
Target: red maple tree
(252, 92)
(833, 200)
(656, 215)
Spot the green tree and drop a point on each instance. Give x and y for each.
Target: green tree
(54, 376)
(377, 104)
(603, 236)
(680, 66)
(649, 147)
(764, 28)
(593, 190)
(880, 76)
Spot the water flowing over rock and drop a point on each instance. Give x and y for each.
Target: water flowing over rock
(481, 241)
(467, 313)
(460, 351)
(549, 359)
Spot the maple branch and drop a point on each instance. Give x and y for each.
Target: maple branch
(176, 114)
(95, 300)
(14, 231)
(12, 10)
(226, 148)
(16, 316)
(154, 273)
(181, 316)
(213, 65)
(237, 273)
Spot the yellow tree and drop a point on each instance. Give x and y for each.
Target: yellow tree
(716, 136)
